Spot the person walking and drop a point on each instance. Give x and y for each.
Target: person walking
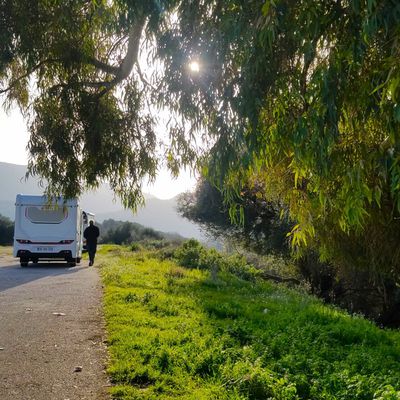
(91, 233)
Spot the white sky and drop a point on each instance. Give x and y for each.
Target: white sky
(14, 139)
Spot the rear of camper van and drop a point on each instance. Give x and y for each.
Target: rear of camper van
(47, 230)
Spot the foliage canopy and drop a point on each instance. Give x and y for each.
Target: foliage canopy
(304, 95)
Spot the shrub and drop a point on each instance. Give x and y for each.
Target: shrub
(136, 246)
(189, 254)
(238, 265)
(6, 231)
(193, 255)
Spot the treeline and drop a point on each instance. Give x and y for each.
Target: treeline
(124, 232)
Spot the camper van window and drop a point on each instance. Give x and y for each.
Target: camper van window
(44, 215)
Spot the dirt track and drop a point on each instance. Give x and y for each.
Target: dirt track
(40, 350)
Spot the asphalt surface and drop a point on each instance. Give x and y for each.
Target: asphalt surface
(51, 332)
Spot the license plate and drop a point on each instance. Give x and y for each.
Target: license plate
(45, 249)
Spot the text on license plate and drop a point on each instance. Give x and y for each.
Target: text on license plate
(45, 248)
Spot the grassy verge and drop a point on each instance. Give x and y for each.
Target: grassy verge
(6, 250)
(175, 333)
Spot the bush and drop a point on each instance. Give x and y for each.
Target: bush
(136, 247)
(189, 254)
(195, 256)
(6, 231)
(238, 265)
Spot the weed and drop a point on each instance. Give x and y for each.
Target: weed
(136, 246)
(131, 298)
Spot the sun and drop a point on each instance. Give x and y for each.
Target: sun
(194, 66)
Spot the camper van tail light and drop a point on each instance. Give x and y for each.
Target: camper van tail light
(66, 241)
(23, 241)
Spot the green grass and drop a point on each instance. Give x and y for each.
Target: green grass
(175, 333)
(6, 250)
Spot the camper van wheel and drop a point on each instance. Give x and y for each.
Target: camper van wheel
(71, 262)
(23, 262)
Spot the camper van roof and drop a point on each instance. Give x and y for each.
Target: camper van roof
(23, 199)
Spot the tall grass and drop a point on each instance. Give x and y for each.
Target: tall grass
(175, 332)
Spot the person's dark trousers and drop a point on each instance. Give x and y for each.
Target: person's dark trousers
(91, 247)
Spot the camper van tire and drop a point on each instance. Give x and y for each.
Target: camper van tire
(71, 262)
(24, 263)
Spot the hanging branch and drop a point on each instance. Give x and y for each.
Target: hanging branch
(27, 74)
(120, 72)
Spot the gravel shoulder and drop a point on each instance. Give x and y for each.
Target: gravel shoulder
(51, 332)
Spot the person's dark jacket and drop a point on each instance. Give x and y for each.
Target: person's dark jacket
(91, 234)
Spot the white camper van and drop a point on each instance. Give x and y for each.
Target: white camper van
(47, 230)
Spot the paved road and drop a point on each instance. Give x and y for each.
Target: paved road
(39, 350)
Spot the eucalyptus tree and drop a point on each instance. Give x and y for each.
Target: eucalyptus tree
(303, 95)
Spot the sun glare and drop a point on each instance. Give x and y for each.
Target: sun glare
(194, 66)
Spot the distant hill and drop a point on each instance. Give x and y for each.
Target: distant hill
(157, 214)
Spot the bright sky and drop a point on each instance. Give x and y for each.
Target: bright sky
(14, 138)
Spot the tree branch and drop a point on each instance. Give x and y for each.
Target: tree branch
(89, 84)
(31, 71)
(131, 57)
(109, 69)
(143, 79)
(120, 72)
